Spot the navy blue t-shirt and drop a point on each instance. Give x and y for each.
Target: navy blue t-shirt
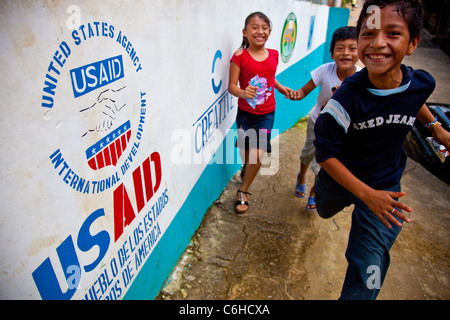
(365, 127)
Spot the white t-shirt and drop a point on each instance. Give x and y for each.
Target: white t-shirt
(325, 76)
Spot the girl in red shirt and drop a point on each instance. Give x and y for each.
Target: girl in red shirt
(252, 80)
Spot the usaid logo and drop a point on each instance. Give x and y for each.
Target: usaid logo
(96, 75)
(94, 100)
(107, 115)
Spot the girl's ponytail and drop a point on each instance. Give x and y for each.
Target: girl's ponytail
(245, 43)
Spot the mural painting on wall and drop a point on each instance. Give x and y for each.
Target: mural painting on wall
(201, 144)
(288, 37)
(97, 66)
(207, 134)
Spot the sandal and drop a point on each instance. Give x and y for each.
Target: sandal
(300, 188)
(241, 202)
(311, 202)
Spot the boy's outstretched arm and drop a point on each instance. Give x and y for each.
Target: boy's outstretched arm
(304, 91)
(380, 202)
(440, 134)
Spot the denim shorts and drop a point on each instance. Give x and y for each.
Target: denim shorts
(254, 130)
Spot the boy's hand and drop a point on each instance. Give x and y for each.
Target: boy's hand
(297, 94)
(441, 135)
(381, 203)
(249, 92)
(385, 207)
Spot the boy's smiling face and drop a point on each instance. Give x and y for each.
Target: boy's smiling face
(383, 49)
(345, 54)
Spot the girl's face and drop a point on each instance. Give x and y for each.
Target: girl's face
(257, 32)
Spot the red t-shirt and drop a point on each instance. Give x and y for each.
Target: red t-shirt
(263, 72)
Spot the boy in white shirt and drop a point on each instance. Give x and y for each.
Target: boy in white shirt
(344, 52)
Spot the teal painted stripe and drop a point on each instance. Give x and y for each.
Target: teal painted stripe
(337, 17)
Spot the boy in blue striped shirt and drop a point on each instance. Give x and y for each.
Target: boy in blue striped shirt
(360, 135)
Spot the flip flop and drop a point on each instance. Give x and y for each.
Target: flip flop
(311, 202)
(300, 188)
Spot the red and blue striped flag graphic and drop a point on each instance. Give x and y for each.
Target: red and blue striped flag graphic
(108, 150)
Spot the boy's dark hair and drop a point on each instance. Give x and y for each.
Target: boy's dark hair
(245, 43)
(342, 34)
(410, 10)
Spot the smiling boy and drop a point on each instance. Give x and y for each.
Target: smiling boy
(329, 76)
(360, 135)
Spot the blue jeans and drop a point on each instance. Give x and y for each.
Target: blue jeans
(368, 244)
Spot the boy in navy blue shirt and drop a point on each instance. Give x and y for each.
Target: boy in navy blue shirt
(360, 135)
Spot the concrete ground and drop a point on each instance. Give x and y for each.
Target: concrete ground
(278, 251)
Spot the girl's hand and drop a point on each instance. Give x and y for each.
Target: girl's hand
(249, 92)
(285, 90)
(385, 207)
(288, 93)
